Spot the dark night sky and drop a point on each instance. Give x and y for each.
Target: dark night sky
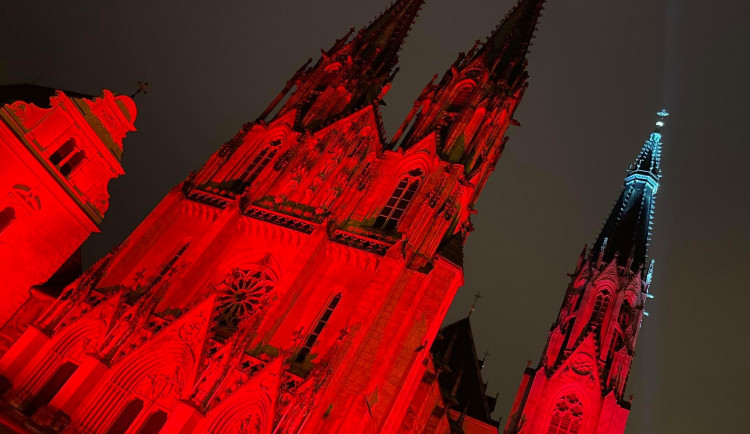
(599, 71)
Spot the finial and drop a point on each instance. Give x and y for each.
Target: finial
(142, 88)
(662, 115)
(477, 296)
(484, 359)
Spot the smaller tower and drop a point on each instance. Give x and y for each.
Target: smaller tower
(579, 385)
(356, 72)
(58, 152)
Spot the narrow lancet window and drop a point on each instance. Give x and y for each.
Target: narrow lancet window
(259, 163)
(396, 206)
(305, 351)
(600, 307)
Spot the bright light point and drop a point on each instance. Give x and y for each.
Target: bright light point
(649, 296)
(645, 313)
(663, 114)
(660, 124)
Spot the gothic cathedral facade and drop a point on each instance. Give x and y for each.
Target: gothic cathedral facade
(296, 282)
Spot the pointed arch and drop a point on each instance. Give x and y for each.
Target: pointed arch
(250, 411)
(50, 388)
(601, 304)
(395, 208)
(567, 415)
(312, 337)
(259, 163)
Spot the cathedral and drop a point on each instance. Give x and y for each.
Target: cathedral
(298, 281)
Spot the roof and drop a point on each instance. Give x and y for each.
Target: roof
(31, 93)
(455, 356)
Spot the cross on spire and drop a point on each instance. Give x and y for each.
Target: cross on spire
(484, 358)
(142, 89)
(477, 296)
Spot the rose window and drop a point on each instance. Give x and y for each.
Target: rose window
(243, 292)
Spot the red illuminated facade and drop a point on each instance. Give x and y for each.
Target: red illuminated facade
(579, 385)
(297, 281)
(58, 152)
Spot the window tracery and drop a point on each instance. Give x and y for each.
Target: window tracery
(243, 292)
(567, 416)
(260, 162)
(600, 306)
(399, 200)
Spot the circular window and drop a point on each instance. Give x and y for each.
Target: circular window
(242, 293)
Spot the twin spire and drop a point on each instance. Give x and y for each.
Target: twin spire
(359, 69)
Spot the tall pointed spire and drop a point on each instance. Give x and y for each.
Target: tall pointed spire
(355, 72)
(506, 49)
(379, 43)
(627, 232)
(472, 106)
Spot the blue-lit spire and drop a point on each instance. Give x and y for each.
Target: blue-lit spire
(627, 232)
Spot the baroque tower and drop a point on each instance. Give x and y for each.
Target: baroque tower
(296, 282)
(579, 385)
(58, 152)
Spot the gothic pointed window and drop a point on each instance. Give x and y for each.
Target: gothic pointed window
(258, 163)
(600, 307)
(126, 417)
(399, 200)
(6, 218)
(242, 293)
(566, 416)
(67, 157)
(315, 333)
(53, 385)
(170, 266)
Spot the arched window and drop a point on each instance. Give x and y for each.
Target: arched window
(399, 200)
(51, 387)
(461, 96)
(305, 351)
(258, 164)
(624, 318)
(6, 218)
(243, 292)
(126, 417)
(600, 307)
(67, 157)
(154, 423)
(566, 416)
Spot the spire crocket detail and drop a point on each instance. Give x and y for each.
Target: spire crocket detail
(469, 110)
(579, 385)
